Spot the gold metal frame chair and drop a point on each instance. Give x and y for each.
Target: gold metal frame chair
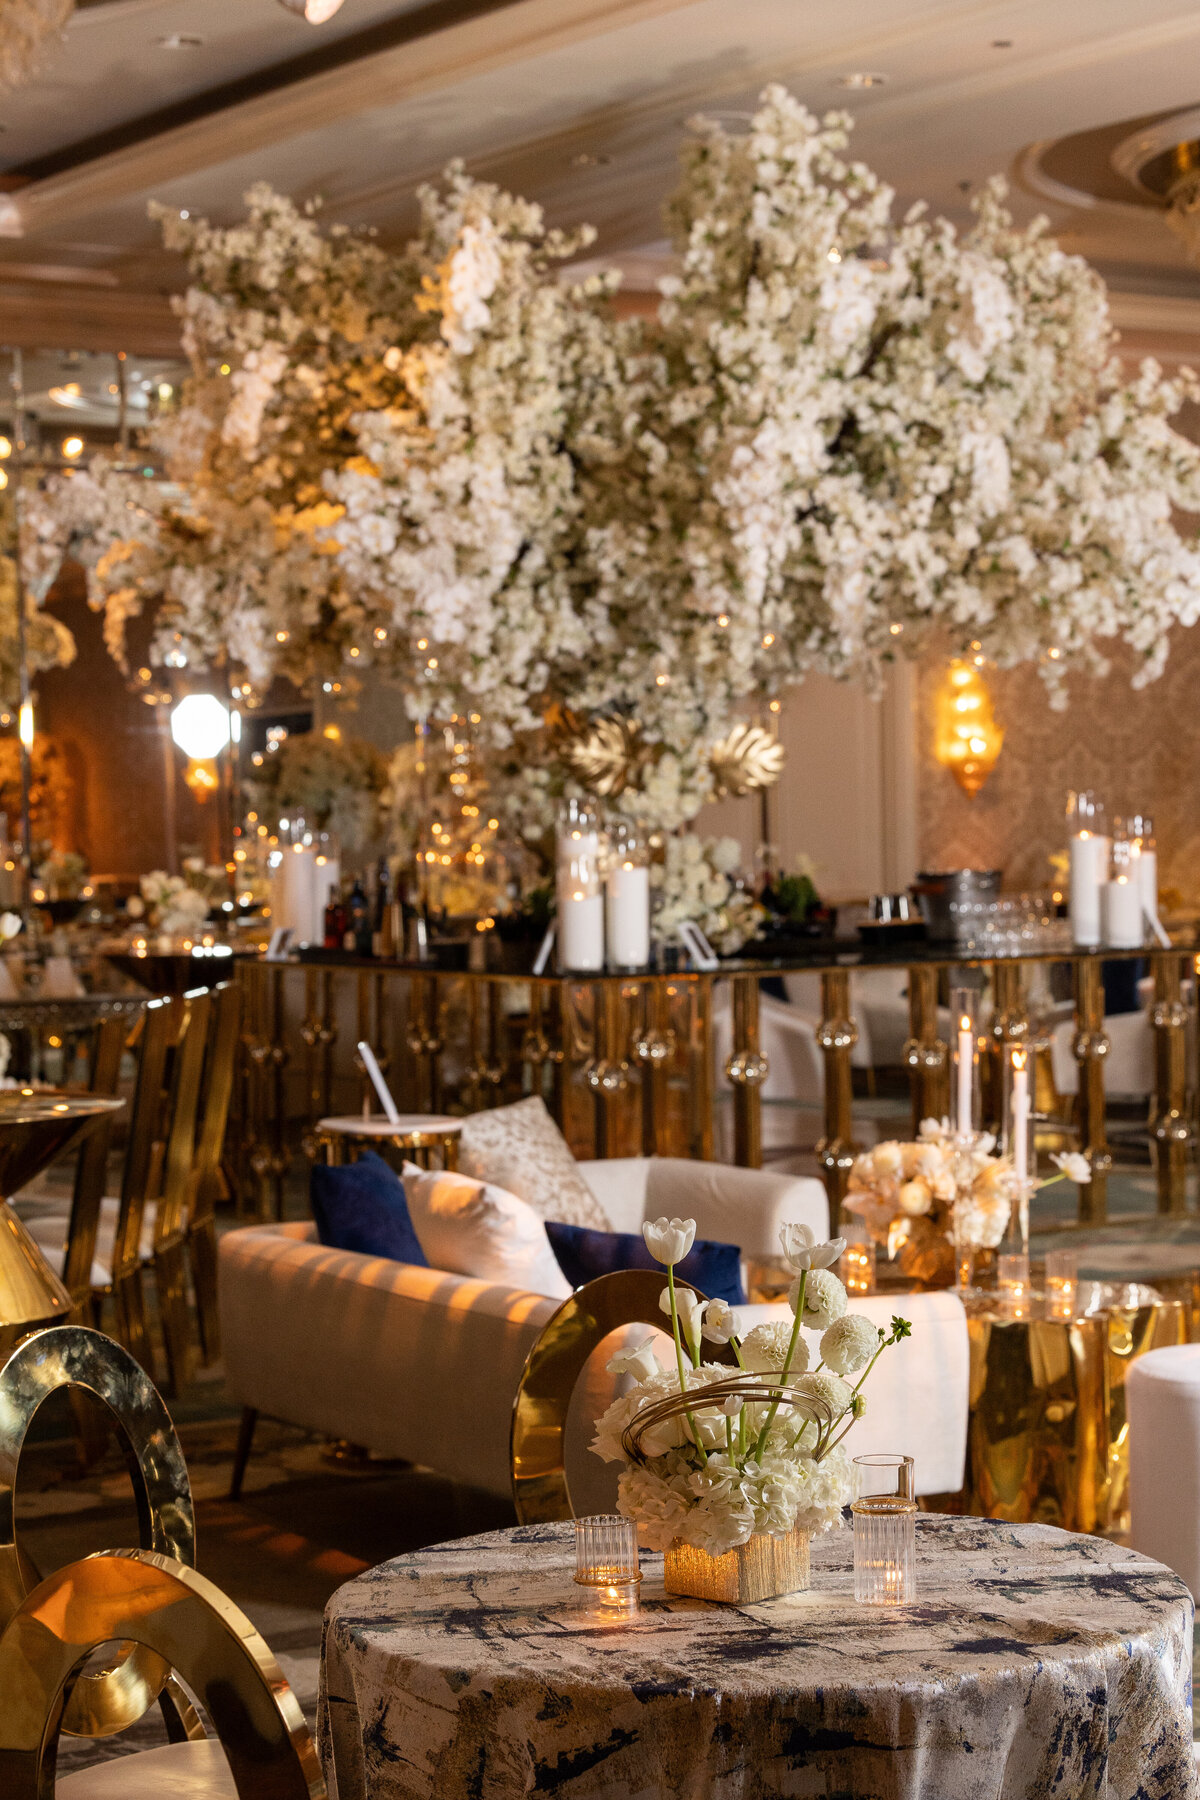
(172, 1211)
(139, 1178)
(554, 1365)
(174, 1615)
(91, 1170)
(208, 1182)
(77, 1358)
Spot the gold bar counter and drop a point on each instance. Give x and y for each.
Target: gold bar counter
(628, 1064)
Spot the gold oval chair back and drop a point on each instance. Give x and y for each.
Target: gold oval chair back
(554, 1365)
(181, 1619)
(72, 1356)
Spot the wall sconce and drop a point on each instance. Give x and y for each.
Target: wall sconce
(968, 739)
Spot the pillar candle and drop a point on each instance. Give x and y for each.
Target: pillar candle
(1121, 912)
(966, 1072)
(1147, 868)
(1088, 868)
(580, 930)
(627, 915)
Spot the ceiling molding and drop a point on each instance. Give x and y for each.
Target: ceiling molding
(514, 33)
(1155, 312)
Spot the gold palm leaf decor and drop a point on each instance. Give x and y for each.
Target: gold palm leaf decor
(607, 755)
(748, 759)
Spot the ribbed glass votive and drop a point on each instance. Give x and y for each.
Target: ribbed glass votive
(885, 1530)
(606, 1564)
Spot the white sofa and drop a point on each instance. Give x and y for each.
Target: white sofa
(413, 1363)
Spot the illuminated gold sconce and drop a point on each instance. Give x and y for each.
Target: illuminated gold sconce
(968, 739)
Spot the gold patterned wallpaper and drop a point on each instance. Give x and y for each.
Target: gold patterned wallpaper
(1139, 749)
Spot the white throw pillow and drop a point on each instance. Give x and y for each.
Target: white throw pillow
(469, 1227)
(521, 1148)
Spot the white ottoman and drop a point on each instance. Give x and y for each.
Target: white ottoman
(1162, 1395)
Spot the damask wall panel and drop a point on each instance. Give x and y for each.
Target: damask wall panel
(1138, 748)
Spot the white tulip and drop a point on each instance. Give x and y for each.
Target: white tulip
(731, 1406)
(669, 1240)
(721, 1322)
(802, 1251)
(1074, 1166)
(691, 1310)
(640, 1363)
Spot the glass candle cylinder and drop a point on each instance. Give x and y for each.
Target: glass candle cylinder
(1140, 831)
(1121, 899)
(627, 898)
(1012, 1285)
(885, 1530)
(1088, 855)
(964, 1121)
(1062, 1275)
(857, 1265)
(606, 1564)
(579, 890)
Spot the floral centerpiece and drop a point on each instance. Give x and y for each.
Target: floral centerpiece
(719, 1457)
(180, 904)
(335, 783)
(697, 881)
(937, 1202)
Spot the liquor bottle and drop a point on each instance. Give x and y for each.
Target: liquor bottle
(358, 921)
(335, 921)
(380, 936)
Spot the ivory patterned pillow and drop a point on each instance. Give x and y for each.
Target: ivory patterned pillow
(520, 1148)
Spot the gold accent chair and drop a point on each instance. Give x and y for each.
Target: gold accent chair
(262, 1749)
(554, 1365)
(85, 1361)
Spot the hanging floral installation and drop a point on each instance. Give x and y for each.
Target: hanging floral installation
(609, 541)
(26, 28)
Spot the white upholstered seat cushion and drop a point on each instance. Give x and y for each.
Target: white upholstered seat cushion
(49, 1233)
(191, 1771)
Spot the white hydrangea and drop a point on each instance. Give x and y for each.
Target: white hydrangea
(765, 1348)
(849, 1344)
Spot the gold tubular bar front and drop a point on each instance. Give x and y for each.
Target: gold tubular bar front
(628, 1064)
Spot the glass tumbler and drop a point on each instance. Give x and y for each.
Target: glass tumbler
(607, 1565)
(885, 1530)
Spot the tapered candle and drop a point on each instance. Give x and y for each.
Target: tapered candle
(966, 1070)
(1020, 1113)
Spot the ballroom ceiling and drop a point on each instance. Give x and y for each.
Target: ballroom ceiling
(578, 103)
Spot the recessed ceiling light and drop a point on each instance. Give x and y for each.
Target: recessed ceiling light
(861, 78)
(1002, 43)
(179, 40)
(589, 159)
(315, 11)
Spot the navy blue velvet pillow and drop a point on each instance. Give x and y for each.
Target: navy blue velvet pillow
(361, 1206)
(583, 1254)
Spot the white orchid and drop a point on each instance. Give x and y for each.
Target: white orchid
(802, 1251)
(1073, 1165)
(669, 1240)
(641, 1363)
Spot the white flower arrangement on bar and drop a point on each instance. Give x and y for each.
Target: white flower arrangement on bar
(714, 1453)
(942, 1193)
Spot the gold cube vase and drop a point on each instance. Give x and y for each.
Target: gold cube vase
(758, 1570)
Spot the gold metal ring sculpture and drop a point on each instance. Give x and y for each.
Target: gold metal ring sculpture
(184, 1623)
(72, 1356)
(554, 1365)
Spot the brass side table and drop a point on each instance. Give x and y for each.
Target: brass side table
(421, 1136)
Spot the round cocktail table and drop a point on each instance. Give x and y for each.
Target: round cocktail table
(1033, 1663)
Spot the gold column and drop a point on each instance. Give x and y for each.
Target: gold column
(925, 1053)
(837, 1036)
(1172, 1129)
(1091, 1047)
(747, 1068)
(700, 1122)
(607, 1074)
(654, 1048)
